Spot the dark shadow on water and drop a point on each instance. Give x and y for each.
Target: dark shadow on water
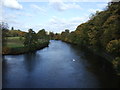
(4, 70)
(30, 61)
(100, 67)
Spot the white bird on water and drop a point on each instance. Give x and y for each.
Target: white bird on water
(73, 60)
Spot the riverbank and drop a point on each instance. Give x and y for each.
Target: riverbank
(22, 50)
(109, 58)
(43, 68)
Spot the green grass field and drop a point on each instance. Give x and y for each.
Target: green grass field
(17, 42)
(14, 42)
(13, 38)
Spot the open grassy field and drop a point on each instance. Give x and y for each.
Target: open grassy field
(14, 42)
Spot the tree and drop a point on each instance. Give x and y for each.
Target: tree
(67, 30)
(116, 64)
(4, 28)
(51, 35)
(114, 47)
(12, 28)
(30, 38)
(57, 36)
(65, 35)
(42, 34)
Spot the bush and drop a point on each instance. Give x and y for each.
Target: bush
(114, 47)
(116, 64)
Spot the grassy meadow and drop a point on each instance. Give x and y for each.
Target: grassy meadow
(15, 42)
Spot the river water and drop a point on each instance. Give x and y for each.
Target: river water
(60, 65)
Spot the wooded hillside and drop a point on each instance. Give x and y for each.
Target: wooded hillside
(100, 33)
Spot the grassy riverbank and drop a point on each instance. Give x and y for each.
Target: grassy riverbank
(15, 45)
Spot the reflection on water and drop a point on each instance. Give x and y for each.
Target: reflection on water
(30, 61)
(100, 67)
(53, 67)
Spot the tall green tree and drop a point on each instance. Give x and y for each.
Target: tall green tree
(42, 34)
(51, 35)
(30, 38)
(12, 28)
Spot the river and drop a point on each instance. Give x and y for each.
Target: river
(60, 65)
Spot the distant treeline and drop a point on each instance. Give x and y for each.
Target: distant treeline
(100, 33)
(19, 33)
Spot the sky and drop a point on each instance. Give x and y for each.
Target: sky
(52, 15)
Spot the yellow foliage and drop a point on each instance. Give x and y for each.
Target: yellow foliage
(113, 46)
(5, 50)
(111, 19)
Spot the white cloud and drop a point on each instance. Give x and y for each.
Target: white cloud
(40, 9)
(61, 6)
(12, 4)
(94, 10)
(102, 5)
(13, 19)
(54, 24)
(68, 0)
(78, 19)
(1, 12)
(58, 25)
(23, 14)
(12, 22)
